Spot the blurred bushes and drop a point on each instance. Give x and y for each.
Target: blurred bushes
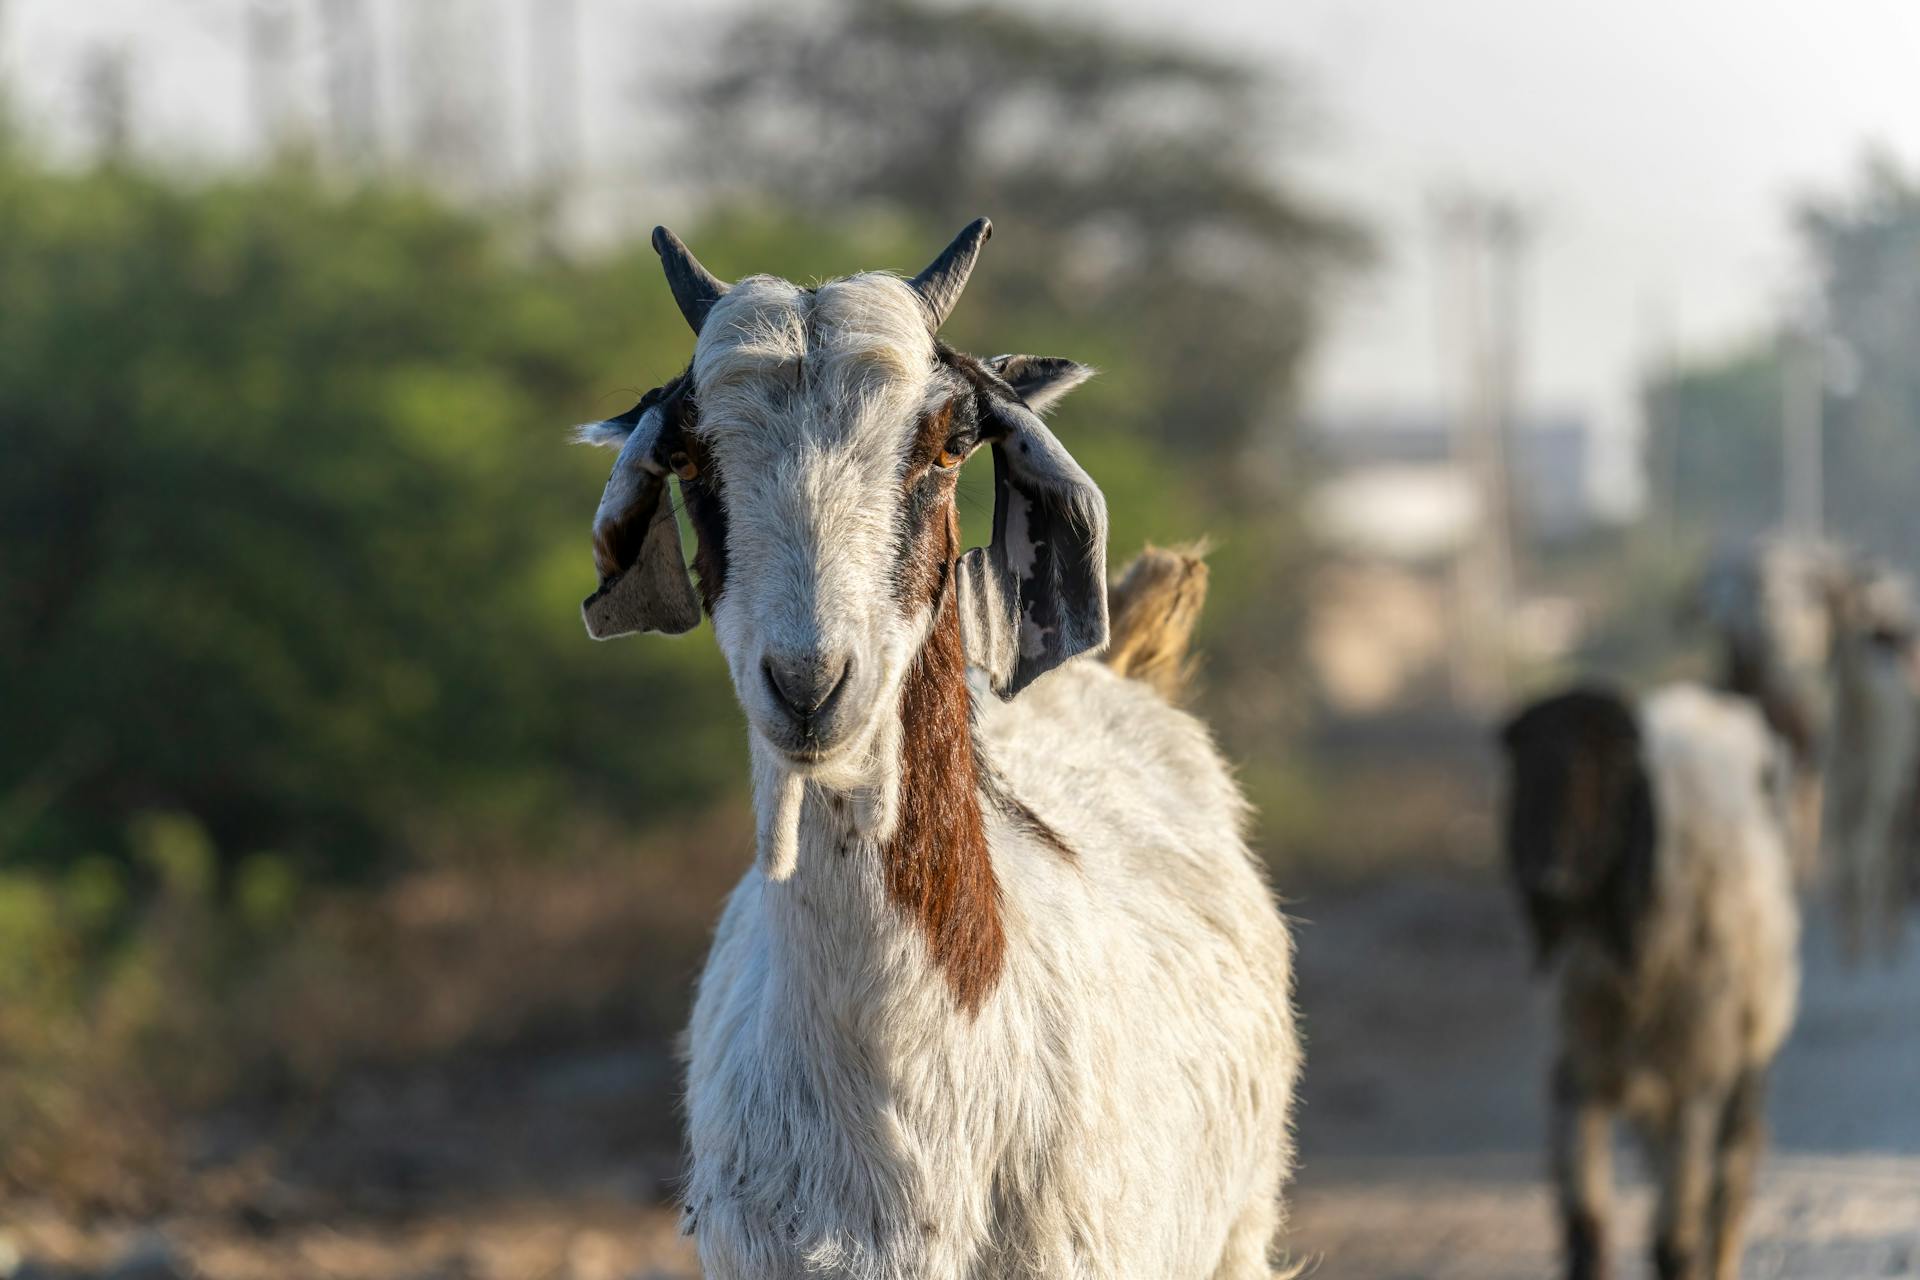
(292, 540)
(261, 1007)
(291, 550)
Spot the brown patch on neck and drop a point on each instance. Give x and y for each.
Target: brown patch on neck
(937, 866)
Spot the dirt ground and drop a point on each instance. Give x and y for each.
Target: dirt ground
(1424, 1104)
(1419, 1129)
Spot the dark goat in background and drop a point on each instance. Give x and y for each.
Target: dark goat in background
(1647, 848)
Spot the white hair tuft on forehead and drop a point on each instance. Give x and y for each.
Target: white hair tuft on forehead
(847, 332)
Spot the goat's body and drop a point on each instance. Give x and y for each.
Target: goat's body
(1768, 603)
(1679, 1040)
(1873, 754)
(1117, 1106)
(1004, 995)
(1714, 987)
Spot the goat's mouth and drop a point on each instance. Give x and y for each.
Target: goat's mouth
(807, 754)
(813, 745)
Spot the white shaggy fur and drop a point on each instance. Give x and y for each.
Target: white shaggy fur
(1118, 1108)
(1722, 932)
(1118, 1105)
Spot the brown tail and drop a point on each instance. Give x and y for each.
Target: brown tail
(1155, 605)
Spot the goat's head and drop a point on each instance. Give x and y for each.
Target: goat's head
(817, 438)
(1580, 817)
(1870, 608)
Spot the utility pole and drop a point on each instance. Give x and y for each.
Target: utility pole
(1507, 233)
(353, 120)
(6, 98)
(553, 110)
(1659, 421)
(269, 46)
(106, 101)
(554, 45)
(450, 69)
(1482, 243)
(1802, 479)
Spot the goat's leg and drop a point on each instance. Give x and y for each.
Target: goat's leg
(1850, 895)
(1687, 1150)
(1889, 893)
(1743, 1136)
(1582, 1147)
(1806, 807)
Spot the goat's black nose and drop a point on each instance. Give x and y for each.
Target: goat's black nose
(806, 684)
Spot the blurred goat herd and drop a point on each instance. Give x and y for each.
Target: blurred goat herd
(1658, 846)
(1005, 993)
(1823, 641)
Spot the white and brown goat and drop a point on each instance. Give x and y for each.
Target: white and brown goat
(1646, 843)
(1004, 994)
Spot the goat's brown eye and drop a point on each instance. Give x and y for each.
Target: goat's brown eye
(954, 451)
(682, 465)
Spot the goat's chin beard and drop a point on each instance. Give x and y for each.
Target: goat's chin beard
(864, 768)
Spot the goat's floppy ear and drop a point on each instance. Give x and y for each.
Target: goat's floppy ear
(1546, 915)
(1038, 595)
(1592, 736)
(1040, 381)
(644, 584)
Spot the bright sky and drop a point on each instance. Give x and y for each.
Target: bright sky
(1657, 142)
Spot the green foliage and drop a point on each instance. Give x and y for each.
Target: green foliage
(1865, 245)
(292, 540)
(175, 848)
(1714, 449)
(1713, 444)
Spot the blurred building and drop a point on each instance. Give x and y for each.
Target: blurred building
(1396, 482)
(1397, 616)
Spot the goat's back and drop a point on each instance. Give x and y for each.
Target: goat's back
(1118, 763)
(1723, 927)
(1167, 925)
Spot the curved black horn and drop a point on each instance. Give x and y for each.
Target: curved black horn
(940, 285)
(694, 287)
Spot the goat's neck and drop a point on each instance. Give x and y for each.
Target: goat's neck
(921, 876)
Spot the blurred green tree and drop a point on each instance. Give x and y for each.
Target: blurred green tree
(1865, 248)
(1713, 444)
(1714, 438)
(289, 536)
